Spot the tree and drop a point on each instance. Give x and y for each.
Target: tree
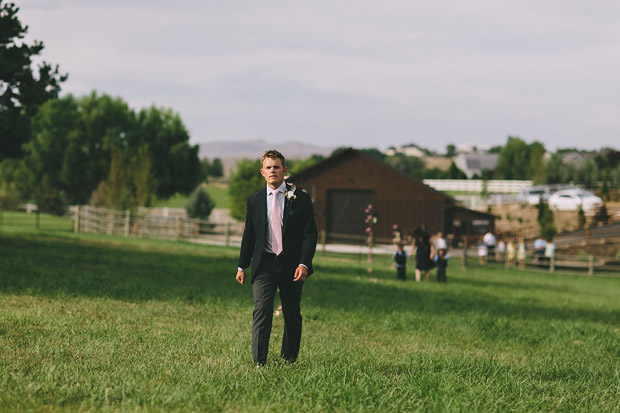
(297, 166)
(536, 167)
(450, 150)
(409, 165)
(77, 143)
(214, 169)
(217, 168)
(73, 141)
(23, 88)
(199, 204)
(175, 163)
(513, 159)
(454, 172)
(244, 182)
(545, 220)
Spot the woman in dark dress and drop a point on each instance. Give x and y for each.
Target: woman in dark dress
(423, 256)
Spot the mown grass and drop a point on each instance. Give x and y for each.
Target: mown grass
(97, 323)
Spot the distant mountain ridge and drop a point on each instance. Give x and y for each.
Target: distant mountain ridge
(254, 149)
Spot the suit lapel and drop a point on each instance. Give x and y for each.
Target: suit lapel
(287, 208)
(261, 212)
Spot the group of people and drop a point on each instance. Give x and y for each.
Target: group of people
(429, 251)
(513, 251)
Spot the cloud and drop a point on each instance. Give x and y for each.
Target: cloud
(349, 70)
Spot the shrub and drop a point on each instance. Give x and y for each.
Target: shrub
(199, 204)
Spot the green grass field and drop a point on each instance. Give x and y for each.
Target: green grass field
(98, 323)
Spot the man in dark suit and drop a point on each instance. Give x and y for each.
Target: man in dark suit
(280, 240)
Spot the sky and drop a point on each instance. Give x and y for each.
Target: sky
(356, 73)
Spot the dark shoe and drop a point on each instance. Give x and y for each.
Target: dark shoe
(259, 365)
(290, 360)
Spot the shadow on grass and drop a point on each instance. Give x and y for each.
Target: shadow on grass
(386, 297)
(51, 266)
(67, 267)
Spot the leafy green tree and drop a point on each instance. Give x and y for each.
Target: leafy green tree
(409, 165)
(298, 166)
(454, 172)
(73, 141)
(217, 168)
(244, 182)
(23, 87)
(213, 168)
(450, 150)
(375, 153)
(536, 167)
(546, 221)
(77, 142)
(175, 163)
(199, 204)
(513, 159)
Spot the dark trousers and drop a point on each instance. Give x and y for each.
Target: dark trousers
(491, 252)
(441, 271)
(269, 277)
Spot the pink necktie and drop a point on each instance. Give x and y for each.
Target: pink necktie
(276, 226)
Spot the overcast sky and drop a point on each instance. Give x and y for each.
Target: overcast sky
(360, 73)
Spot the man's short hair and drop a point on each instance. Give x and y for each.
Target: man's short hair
(273, 154)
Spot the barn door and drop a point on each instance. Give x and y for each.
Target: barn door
(345, 214)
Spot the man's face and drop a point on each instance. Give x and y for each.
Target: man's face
(273, 171)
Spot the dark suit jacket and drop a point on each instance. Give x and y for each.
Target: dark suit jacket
(299, 234)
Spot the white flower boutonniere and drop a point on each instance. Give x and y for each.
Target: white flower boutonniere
(290, 194)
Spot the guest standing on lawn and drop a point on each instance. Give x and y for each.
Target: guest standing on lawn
(400, 258)
(423, 255)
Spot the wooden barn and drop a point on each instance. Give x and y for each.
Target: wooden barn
(343, 185)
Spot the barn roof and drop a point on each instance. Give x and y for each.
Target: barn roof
(348, 153)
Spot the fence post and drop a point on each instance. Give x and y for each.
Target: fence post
(323, 239)
(552, 263)
(227, 239)
(178, 228)
(36, 220)
(127, 222)
(590, 264)
(76, 226)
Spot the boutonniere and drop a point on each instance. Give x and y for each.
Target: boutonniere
(290, 194)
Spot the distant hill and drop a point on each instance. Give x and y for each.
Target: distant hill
(232, 151)
(254, 149)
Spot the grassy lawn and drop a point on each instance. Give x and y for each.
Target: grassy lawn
(217, 191)
(21, 222)
(93, 322)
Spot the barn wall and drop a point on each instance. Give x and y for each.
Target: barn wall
(397, 199)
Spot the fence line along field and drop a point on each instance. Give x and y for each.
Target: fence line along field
(101, 322)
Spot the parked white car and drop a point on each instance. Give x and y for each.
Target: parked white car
(571, 199)
(532, 195)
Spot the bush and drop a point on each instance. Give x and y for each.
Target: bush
(199, 204)
(49, 199)
(546, 220)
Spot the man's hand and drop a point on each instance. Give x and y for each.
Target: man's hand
(240, 277)
(301, 273)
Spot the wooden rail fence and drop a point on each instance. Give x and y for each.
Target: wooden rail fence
(125, 223)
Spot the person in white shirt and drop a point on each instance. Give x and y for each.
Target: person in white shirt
(489, 241)
(439, 242)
